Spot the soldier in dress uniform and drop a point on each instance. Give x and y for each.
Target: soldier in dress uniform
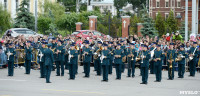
(131, 60)
(152, 69)
(28, 54)
(97, 64)
(59, 59)
(41, 60)
(53, 47)
(171, 55)
(118, 54)
(193, 53)
(110, 66)
(182, 55)
(123, 47)
(67, 46)
(10, 52)
(48, 61)
(105, 58)
(87, 53)
(145, 56)
(72, 57)
(158, 58)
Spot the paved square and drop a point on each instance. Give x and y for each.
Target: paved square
(32, 85)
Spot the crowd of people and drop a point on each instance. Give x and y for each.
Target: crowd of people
(169, 52)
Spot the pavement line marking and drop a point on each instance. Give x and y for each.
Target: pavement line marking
(75, 91)
(11, 80)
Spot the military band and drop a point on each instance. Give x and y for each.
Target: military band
(106, 54)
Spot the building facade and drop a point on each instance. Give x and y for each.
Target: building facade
(13, 5)
(178, 7)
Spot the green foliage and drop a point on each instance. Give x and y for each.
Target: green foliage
(119, 4)
(133, 24)
(160, 24)
(24, 18)
(43, 24)
(148, 25)
(5, 20)
(172, 23)
(83, 7)
(137, 3)
(70, 5)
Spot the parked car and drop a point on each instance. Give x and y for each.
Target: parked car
(87, 33)
(14, 32)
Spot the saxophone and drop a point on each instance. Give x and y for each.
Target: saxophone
(170, 63)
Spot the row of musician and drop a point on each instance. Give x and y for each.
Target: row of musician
(105, 56)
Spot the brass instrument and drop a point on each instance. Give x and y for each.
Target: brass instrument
(142, 57)
(198, 66)
(192, 57)
(124, 59)
(83, 56)
(53, 50)
(138, 57)
(9, 54)
(41, 55)
(131, 55)
(97, 53)
(102, 57)
(179, 57)
(152, 54)
(70, 56)
(76, 47)
(170, 63)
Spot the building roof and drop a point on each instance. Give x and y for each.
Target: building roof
(104, 1)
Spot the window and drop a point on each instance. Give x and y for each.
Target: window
(5, 4)
(178, 14)
(156, 13)
(29, 32)
(179, 4)
(167, 4)
(157, 4)
(17, 5)
(166, 15)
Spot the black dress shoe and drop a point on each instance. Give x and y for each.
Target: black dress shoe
(133, 76)
(142, 83)
(155, 81)
(57, 75)
(62, 75)
(97, 75)
(48, 82)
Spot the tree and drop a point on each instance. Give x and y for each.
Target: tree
(172, 23)
(137, 4)
(160, 24)
(148, 25)
(119, 4)
(5, 20)
(133, 24)
(24, 18)
(70, 5)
